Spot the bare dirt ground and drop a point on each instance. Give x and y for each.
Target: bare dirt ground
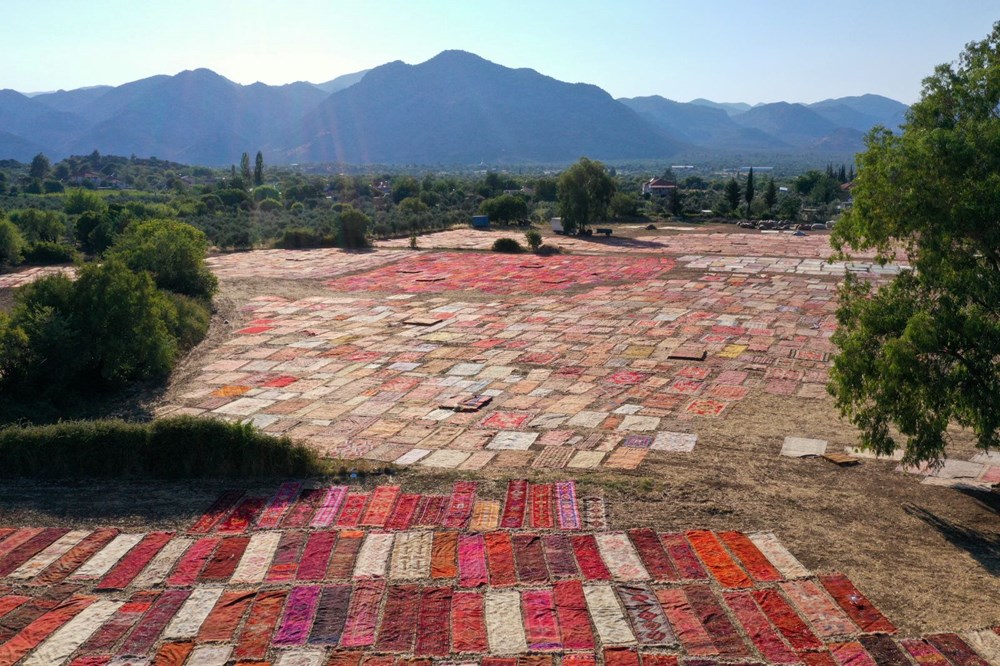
(929, 557)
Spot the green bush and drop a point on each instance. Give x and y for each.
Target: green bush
(39, 225)
(11, 244)
(180, 447)
(81, 201)
(45, 253)
(353, 229)
(38, 341)
(172, 252)
(298, 238)
(269, 205)
(508, 245)
(108, 327)
(122, 322)
(188, 321)
(266, 192)
(534, 239)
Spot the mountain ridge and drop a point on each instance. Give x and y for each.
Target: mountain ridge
(453, 108)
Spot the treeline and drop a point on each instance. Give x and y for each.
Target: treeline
(255, 205)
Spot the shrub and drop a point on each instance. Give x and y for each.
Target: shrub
(108, 327)
(548, 250)
(269, 205)
(39, 341)
(11, 244)
(505, 208)
(188, 320)
(179, 447)
(298, 238)
(353, 229)
(172, 252)
(508, 245)
(232, 197)
(44, 253)
(263, 192)
(81, 201)
(39, 225)
(122, 323)
(534, 239)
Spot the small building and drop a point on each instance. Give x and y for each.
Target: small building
(658, 187)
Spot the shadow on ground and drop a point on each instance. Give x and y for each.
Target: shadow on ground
(983, 546)
(124, 504)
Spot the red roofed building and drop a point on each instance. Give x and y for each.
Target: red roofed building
(658, 187)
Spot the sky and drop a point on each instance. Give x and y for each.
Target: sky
(747, 51)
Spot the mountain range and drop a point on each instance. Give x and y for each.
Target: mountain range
(456, 108)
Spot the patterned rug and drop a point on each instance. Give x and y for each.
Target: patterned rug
(410, 581)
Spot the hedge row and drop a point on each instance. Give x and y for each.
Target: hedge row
(171, 448)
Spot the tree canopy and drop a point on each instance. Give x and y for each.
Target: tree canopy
(923, 351)
(172, 252)
(584, 190)
(505, 208)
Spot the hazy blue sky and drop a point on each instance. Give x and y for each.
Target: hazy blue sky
(750, 50)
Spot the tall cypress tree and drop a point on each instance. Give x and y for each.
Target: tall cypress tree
(770, 194)
(748, 192)
(258, 170)
(245, 169)
(732, 193)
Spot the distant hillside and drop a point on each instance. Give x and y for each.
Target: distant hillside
(341, 82)
(731, 108)
(459, 108)
(701, 125)
(71, 101)
(862, 112)
(13, 147)
(794, 123)
(456, 108)
(33, 122)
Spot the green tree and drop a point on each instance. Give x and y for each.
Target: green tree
(921, 352)
(172, 252)
(40, 225)
(732, 194)
(676, 202)
(245, 174)
(817, 187)
(80, 201)
(748, 191)
(546, 189)
(39, 341)
(412, 206)
(258, 170)
(770, 195)
(262, 192)
(353, 229)
(404, 187)
(40, 167)
(11, 244)
(789, 207)
(584, 191)
(623, 205)
(123, 319)
(505, 208)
